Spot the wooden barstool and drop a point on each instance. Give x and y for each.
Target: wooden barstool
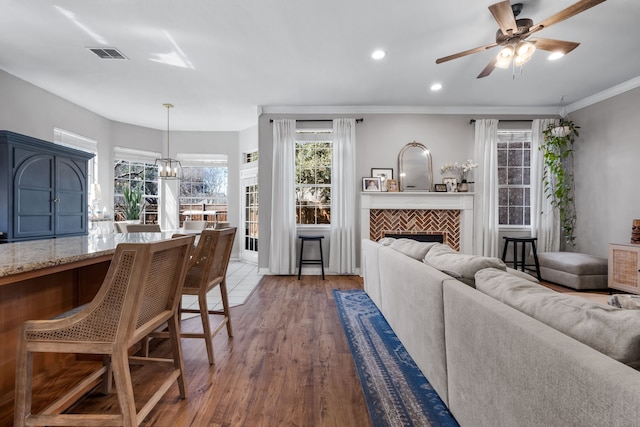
(140, 292)
(522, 261)
(310, 261)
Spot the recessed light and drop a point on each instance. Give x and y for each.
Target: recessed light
(555, 55)
(378, 54)
(436, 87)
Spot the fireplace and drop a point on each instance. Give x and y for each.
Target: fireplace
(448, 216)
(418, 237)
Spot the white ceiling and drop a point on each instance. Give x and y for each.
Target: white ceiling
(241, 54)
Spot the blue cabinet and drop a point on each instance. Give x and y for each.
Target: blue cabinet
(43, 189)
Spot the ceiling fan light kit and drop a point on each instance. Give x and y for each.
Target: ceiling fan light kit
(512, 35)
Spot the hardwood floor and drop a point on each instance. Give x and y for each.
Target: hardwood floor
(288, 364)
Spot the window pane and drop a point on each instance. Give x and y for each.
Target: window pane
(514, 161)
(313, 179)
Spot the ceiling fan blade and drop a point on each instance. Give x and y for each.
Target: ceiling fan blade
(564, 14)
(503, 14)
(488, 69)
(465, 53)
(555, 45)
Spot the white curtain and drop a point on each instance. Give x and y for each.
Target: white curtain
(485, 224)
(545, 222)
(282, 247)
(342, 257)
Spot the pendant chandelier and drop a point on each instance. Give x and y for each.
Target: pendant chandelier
(168, 168)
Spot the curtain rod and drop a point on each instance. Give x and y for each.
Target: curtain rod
(472, 121)
(360, 120)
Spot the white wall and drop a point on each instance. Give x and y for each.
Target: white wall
(607, 172)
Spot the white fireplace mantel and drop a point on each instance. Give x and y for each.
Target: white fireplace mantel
(421, 200)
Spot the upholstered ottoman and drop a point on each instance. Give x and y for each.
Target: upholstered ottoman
(574, 270)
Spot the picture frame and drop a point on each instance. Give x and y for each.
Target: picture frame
(451, 183)
(384, 173)
(393, 186)
(371, 184)
(440, 188)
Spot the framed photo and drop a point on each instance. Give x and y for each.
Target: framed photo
(440, 188)
(451, 183)
(392, 185)
(383, 173)
(371, 184)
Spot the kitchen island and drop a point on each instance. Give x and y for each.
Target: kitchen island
(40, 279)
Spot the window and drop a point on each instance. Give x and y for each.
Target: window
(514, 178)
(79, 142)
(251, 157)
(137, 169)
(313, 176)
(203, 187)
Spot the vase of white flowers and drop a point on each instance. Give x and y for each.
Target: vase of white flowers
(463, 169)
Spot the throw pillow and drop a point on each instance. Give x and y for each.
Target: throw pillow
(612, 331)
(412, 248)
(460, 266)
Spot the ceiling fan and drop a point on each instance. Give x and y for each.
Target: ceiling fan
(513, 34)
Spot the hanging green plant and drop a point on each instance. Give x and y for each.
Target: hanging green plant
(558, 179)
(132, 203)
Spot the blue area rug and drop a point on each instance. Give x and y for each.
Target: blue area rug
(396, 392)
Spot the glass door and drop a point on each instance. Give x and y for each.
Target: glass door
(250, 218)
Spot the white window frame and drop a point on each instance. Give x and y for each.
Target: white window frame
(315, 135)
(518, 227)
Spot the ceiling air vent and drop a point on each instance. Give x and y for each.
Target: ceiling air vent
(107, 52)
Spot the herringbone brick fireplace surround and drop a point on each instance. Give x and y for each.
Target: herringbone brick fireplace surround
(407, 212)
(416, 221)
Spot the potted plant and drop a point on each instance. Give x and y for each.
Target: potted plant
(133, 203)
(558, 180)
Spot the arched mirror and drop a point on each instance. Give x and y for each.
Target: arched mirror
(414, 165)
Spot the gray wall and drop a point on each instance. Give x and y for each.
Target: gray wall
(607, 172)
(31, 111)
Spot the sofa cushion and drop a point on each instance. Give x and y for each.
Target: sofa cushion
(386, 241)
(612, 331)
(412, 248)
(461, 266)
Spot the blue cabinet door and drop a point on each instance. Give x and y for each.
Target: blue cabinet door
(33, 194)
(70, 198)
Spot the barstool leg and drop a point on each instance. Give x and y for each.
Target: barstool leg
(300, 258)
(504, 250)
(535, 259)
(524, 256)
(321, 259)
(515, 255)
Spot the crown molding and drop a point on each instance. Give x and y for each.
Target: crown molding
(379, 109)
(605, 94)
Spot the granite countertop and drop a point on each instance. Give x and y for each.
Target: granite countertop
(22, 257)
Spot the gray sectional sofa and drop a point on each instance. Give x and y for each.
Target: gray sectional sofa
(501, 350)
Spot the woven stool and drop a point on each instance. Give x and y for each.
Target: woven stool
(522, 262)
(310, 261)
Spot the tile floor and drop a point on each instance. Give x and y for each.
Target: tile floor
(242, 278)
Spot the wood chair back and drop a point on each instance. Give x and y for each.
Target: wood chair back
(141, 228)
(210, 261)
